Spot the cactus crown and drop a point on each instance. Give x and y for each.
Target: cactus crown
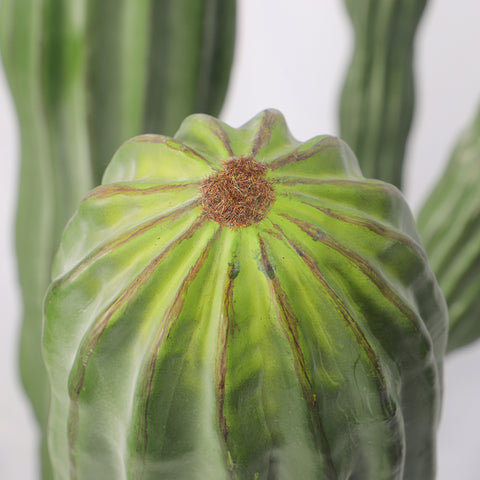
(239, 194)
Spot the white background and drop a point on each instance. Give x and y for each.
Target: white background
(294, 59)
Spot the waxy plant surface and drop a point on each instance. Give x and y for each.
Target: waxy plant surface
(235, 304)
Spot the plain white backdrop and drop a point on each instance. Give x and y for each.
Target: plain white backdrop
(294, 58)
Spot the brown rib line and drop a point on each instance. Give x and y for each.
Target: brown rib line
(340, 306)
(92, 337)
(138, 230)
(217, 129)
(293, 157)
(264, 132)
(375, 277)
(169, 141)
(113, 189)
(166, 324)
(221, 362)
(374, 227)
(289, 323)
(343, 182)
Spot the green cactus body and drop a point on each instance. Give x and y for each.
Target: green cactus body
(378, 96)
(86, 76)
(235, 304)
(449, 223)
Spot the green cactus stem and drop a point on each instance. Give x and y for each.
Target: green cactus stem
(377, 100)
(235, 304)
(449, 223)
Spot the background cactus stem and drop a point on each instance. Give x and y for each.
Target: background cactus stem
(377, 101)
(308, 344)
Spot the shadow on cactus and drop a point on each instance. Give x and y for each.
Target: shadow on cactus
(232, 303)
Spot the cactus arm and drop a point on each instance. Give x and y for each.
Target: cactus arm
(116, 74)
(192, 64)
(452, 244)
(377, 100)
(308, 344)
(20, 32)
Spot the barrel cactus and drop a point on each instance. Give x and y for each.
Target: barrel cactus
(235, 304)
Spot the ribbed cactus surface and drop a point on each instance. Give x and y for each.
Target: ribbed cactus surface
(378, 96)
(449, 223)
(235, 304)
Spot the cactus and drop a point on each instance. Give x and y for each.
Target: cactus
(86, 76)
(50, 183)
(375, 113)
(232, 303)
(453, 245)
(378, 96)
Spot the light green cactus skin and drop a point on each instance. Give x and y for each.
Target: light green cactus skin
(377, 100)
(86, 76)
(449, 223)
(308, 345)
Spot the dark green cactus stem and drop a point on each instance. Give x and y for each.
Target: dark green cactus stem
(157, 62)
(235, 304)
(378, 96)
(449, 223)
(86, 75)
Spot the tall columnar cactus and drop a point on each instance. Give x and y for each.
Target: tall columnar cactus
(378, 96)
(232, 303)
(85, 76)
(449, 223)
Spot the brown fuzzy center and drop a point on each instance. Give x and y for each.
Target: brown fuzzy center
(239, 194)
